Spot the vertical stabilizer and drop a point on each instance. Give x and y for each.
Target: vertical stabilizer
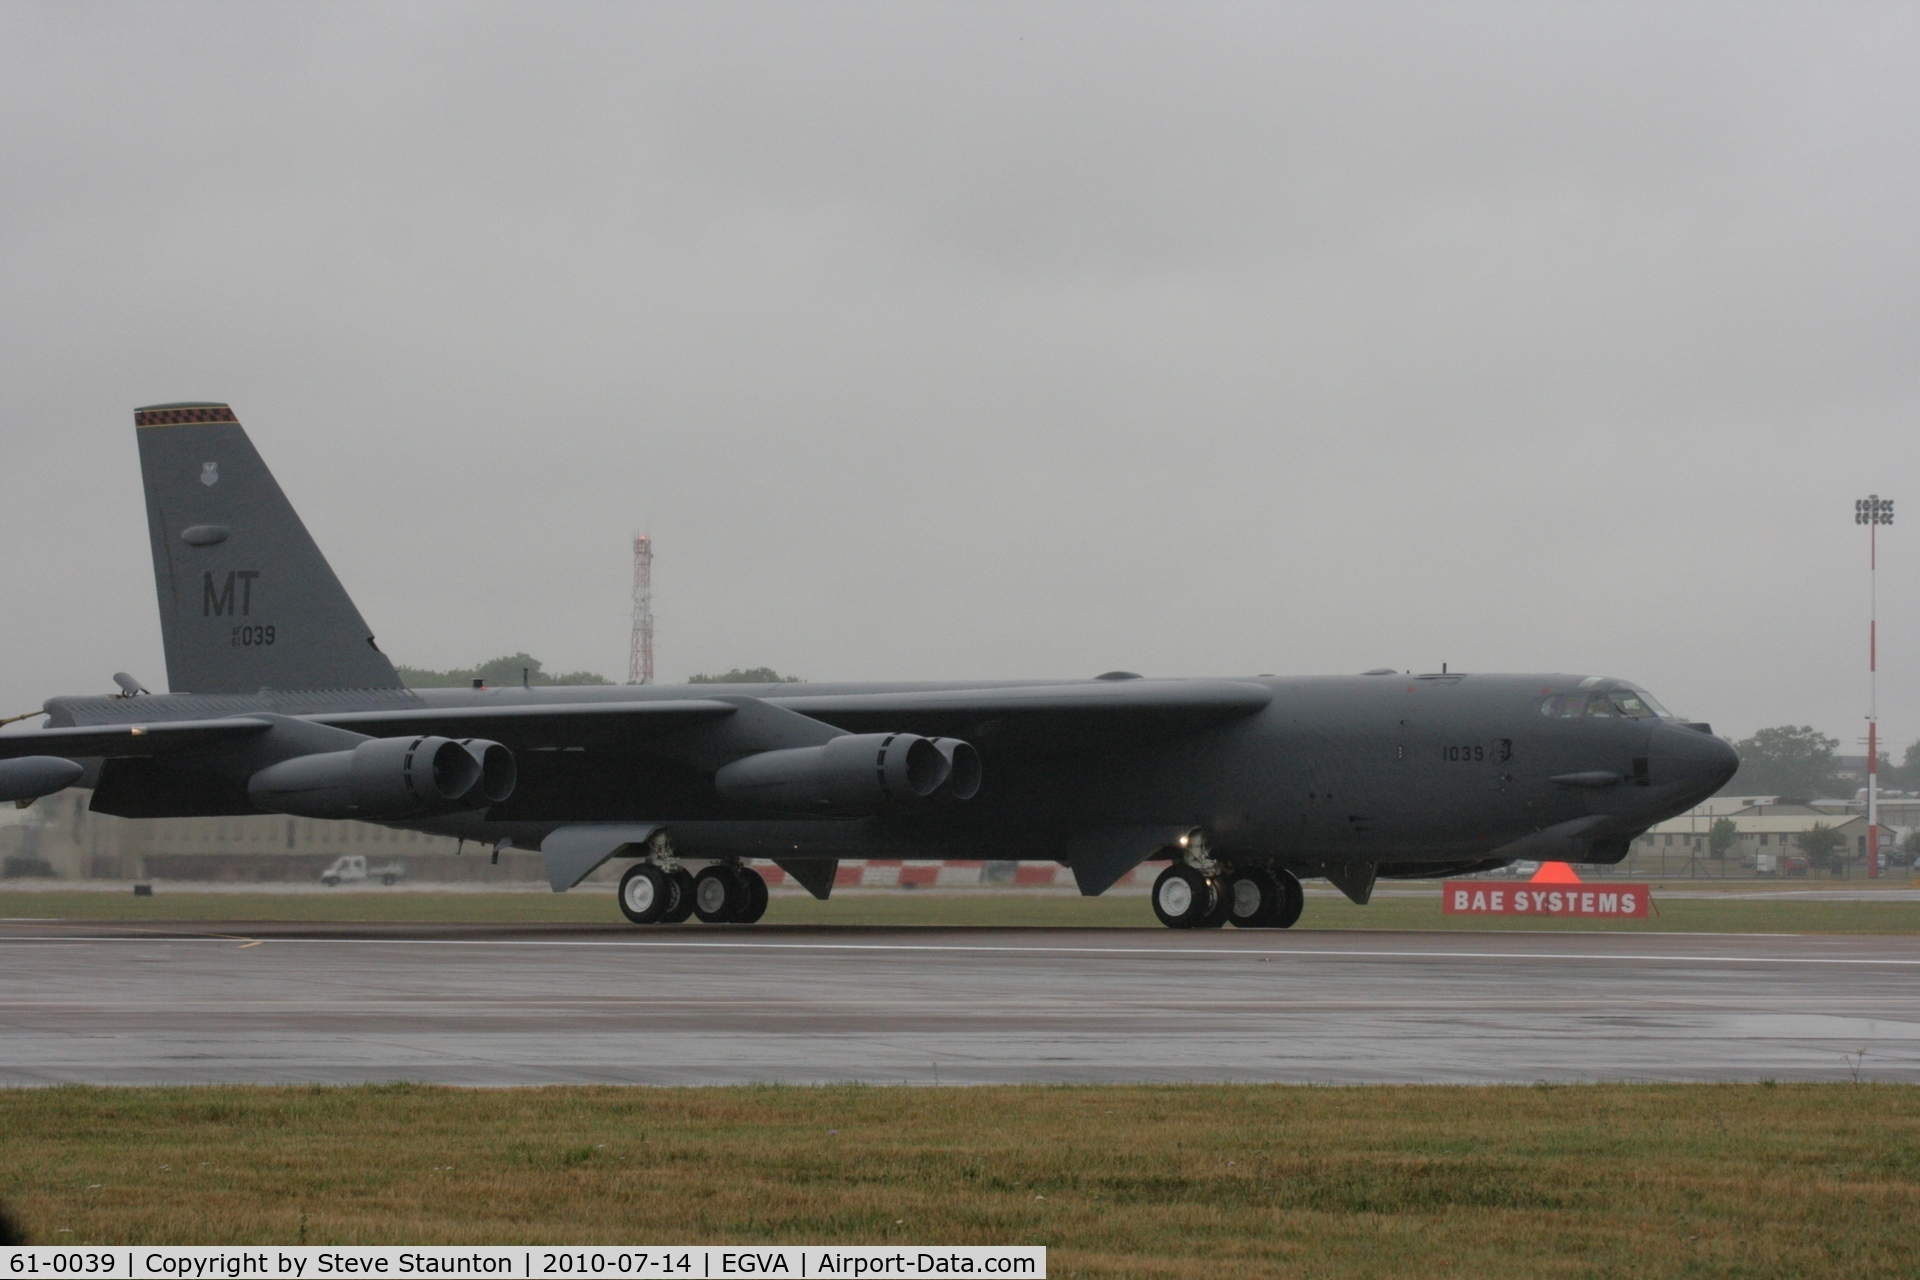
(246, 599)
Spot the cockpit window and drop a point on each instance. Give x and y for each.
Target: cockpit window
(1652, 703)
(1631, 705)
(1622, 701)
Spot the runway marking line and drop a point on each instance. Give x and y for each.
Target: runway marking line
(977, 948)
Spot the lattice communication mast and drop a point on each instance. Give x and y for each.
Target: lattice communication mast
(640, 657)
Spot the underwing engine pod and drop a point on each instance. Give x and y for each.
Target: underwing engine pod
(498, 771)
(861, 773)
(963, 775)
(387, 779)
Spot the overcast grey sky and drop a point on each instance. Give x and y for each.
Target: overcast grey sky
(977, 341)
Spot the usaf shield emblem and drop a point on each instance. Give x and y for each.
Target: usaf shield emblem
(209, 474)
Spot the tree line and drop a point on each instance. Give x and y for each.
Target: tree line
(517, 668)
(1801, 762)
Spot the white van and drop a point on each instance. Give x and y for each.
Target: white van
(351, 867)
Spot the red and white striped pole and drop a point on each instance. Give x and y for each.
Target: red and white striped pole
(1873, 511)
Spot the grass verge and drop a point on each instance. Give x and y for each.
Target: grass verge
(1750, 913)
(1747, 1180)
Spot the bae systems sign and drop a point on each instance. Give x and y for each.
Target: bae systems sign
(1519, 898)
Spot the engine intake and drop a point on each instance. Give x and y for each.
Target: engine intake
(860, 773)
(388, 778)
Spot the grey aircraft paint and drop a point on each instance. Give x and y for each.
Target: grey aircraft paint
(1246, 784)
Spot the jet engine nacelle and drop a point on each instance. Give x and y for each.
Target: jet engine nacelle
(30, 777)
(860, 773)
(388, 778)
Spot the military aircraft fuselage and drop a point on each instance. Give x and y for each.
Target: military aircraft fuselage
(1388, 768)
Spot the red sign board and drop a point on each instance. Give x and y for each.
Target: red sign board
(1519, 898)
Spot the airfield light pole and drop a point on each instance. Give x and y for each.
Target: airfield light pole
(1873, 511)
(640, 652)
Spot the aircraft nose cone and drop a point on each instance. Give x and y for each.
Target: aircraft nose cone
(1699, 762)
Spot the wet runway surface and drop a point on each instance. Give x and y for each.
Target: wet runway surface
(508, 1005)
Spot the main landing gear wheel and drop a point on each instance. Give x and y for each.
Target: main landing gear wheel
(645, 893)
(729, 895)
(1293, 899)
(756, 904)
(1253, 898)
(681, 905)
(1222, 905)
(1182, 897)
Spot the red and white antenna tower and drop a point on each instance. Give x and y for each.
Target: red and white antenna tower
(640, 657)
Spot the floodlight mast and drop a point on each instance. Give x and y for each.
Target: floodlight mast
(640, 647)
(1873, 511)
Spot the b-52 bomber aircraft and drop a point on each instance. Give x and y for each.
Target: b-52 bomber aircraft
(280, 702)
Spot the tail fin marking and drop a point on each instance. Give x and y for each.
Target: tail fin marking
(247, 601)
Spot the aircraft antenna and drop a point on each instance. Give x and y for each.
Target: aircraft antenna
(640, 654)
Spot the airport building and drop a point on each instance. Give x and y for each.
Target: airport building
(1769, 827)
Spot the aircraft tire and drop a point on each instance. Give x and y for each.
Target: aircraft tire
(645, 893)
(1182, 897)
(1254, 898)
(1293, 900)
(719, 893)
(1219, 909)
(756, 904)
(680, 906)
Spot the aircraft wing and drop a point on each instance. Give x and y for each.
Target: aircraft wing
(538, 725)
(92, 741)
(1042, 715)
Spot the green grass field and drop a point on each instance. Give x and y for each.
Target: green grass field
(1600, 1180)
(1735, 913)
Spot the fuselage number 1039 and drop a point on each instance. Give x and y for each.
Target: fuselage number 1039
(1499, 752)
